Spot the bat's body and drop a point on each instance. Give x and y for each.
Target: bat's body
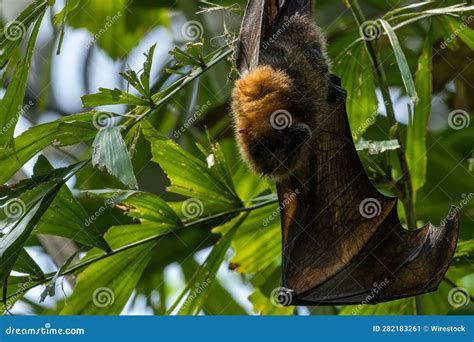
(277, 104)
(342, 240)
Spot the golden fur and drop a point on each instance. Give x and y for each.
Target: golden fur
(292, 80)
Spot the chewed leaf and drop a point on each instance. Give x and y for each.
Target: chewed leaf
(143, 206)
(378, 147)
(110, 153)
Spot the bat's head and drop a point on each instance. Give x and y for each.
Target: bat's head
(282, 94)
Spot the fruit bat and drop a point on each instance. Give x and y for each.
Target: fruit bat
(343, 242)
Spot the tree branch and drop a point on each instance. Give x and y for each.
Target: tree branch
(90, 261)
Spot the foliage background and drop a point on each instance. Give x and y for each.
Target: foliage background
(152, 223)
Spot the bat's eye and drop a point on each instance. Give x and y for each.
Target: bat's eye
(318, 58)
(316, 53)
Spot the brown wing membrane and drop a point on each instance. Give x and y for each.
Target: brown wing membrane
(342, 240)
(257, 22)
(258, 18)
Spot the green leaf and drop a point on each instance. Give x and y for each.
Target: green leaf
(263, 305)
(257, 243)
(219, 301)
(461, 30)
(12, 103)
(26, 264)
(11, 36)
(20, 216)
(66, 217)
(16, 284)
(464, 255)
(190, 174)
(110, 152)
(116, 21)
(401, 61)
(146, 207)
(70, 132)
(105, 287)
(264, 298)
(416, 135)
(435, 303)
(405, 8)
(112, 97)
(205, 276)
(59, 18)
(145, 76)
(248, 185)
(397, 307)
(34, 140)
(357, 77)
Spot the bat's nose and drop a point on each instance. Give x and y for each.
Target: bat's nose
(301, 132)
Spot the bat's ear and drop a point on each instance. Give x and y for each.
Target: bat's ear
(258, 19)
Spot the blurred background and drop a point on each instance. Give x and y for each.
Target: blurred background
(103, 38)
